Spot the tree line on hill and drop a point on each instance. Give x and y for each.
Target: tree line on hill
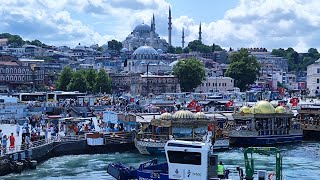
(297, 61)
(88, 80)
(195, 46)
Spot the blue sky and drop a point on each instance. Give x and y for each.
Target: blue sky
(229, 23)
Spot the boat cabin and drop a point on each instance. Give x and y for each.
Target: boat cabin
(190, 160)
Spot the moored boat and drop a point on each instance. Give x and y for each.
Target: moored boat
(264, 125)
(183, 125)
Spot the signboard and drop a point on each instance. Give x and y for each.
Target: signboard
(110, 116)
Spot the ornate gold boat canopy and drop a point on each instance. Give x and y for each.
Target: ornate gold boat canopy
(182, 117)
(262, 109)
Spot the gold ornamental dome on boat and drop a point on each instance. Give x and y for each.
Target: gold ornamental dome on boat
(280, 109)
(245, 110)
(200, 116)
(166, 116)
(263, 107)
(183, 115)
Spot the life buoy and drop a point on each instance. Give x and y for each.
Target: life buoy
(271, 175)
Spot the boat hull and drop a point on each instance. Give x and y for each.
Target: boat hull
(246, 141)
(311, 135)
(157, 148)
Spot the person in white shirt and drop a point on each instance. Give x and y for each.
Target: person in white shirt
(18, 129)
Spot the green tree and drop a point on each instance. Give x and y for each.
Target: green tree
(36, 43)
(64, 79)
(103, 82)
(190, 73)
(91, 76)
(114, 45)
(78, 82)
(194, 45)
(186, 50)
(178, 50)
(171, 50)
(243, 68)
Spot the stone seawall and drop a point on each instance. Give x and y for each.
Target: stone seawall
(55, 149)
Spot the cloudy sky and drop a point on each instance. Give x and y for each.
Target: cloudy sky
(229, 23)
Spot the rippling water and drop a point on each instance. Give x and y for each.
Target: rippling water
(300, 161)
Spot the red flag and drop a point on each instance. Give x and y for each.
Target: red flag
(131, 99)
(192, 104)
(294, 101)
(229, 104)
(198, 108)
(281, 90)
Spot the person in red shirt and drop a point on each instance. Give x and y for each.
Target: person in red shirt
(12, 141)
(86, 128)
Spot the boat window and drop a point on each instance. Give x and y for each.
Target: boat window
(184, 157)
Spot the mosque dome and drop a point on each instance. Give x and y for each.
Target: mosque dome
(280, 109)
(264, 107)
(245, 109)
(166, 116)
(183, 115)
(160, 51)
(123, 50)
(173, 63)
(142, 28)
(145, 50)
(200, 116)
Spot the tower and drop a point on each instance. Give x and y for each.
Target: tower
(182, 37)
(200, 38)
(169, 27)
(152, 31)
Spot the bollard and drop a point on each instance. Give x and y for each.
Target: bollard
(33, 164)
(19, 167)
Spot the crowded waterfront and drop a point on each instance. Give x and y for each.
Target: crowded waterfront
(97, 122)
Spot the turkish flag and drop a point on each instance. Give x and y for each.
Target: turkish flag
(229, 104)
(198, 108)
(192, 104)
(294, 101)
(281, 90)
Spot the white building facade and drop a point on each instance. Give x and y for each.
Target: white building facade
(313, 78)
(213, 84)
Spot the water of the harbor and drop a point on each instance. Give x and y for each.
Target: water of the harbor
(300, 161)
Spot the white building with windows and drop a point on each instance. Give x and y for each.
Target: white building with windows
(213, 84)
(313, 78)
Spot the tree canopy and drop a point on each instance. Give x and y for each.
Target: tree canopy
(114, 45)
(243, 68)
(103, 82)
(296, 61)
(84, 81)
(78, 82)
(198, 46)
(190, 73)
(17, 41)
(64, 78)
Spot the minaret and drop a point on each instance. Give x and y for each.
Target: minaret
(152, 31)
(182, 37)
(200, 38)
(169, 27)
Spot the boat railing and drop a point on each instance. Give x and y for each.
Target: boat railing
(153, 137)
(243, 133)
(118, 137)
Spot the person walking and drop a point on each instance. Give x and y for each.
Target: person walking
(1, 134)
(12, 141)
(4, 143)
(18, 129)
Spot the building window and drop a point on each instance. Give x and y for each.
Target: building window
(318, 70)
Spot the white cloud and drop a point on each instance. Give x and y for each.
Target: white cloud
(259, 23)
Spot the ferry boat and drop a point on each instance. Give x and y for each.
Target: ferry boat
(264, 125)
(182, 125)
(190, 160)
(309, 118)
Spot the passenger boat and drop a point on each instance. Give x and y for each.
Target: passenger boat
(264, 125)
(183, 125)
(190, 160)
(309, 118)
